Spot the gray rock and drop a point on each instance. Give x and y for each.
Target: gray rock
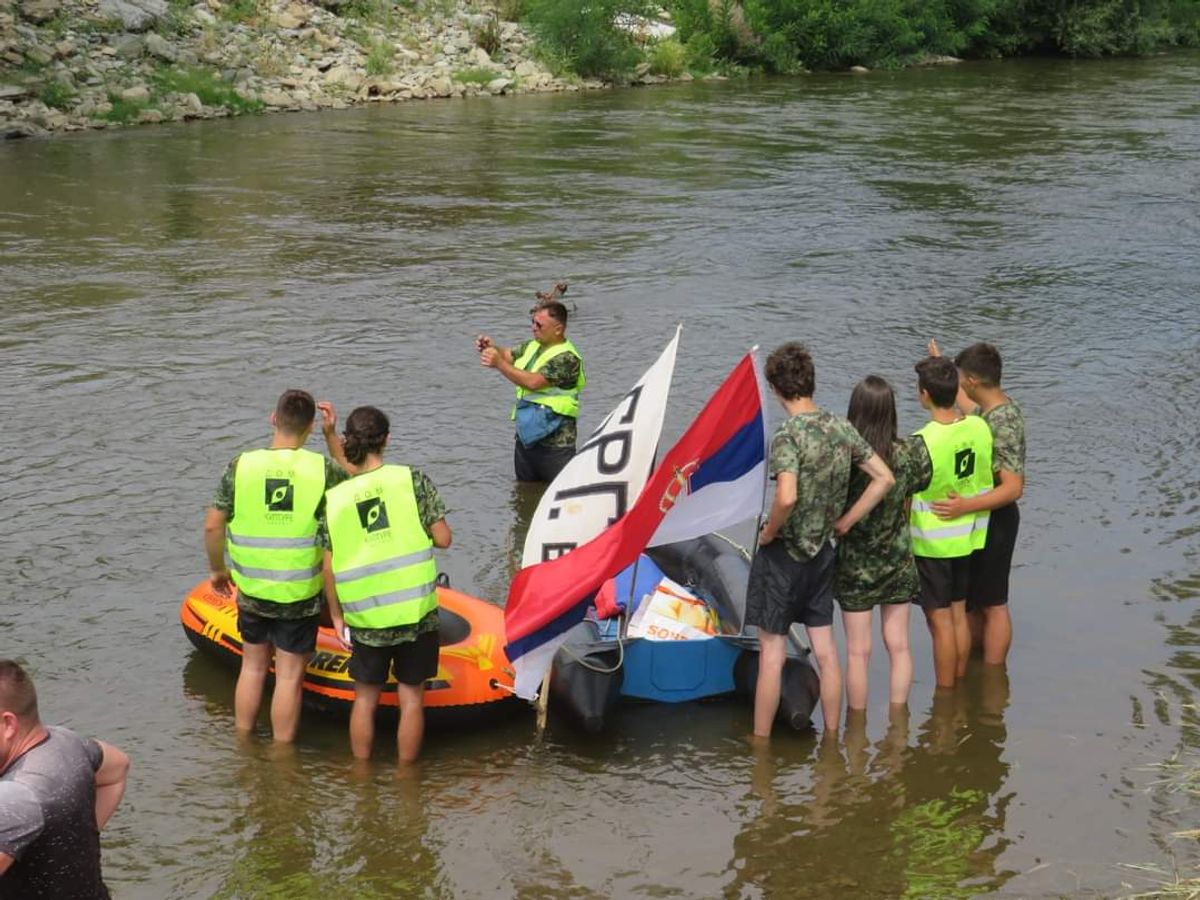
(39, 11)
(150, 116)
(859, 70)
(14, 92)
(39, 56)
(137, 94)
(201, 14)
(191, 105)
(12, 131)
(499, 85)
(135, 15)
(158, 46)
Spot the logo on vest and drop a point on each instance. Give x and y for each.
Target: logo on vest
(372, 514)
(964, 463)
(281, 495)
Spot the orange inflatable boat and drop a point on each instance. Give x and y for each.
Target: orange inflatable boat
(473, 682)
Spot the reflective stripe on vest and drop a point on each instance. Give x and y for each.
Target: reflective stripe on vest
(961, 453)
(381, 556)
(271, 536)
(564, 401)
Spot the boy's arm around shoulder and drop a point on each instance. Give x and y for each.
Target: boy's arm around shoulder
(1010, 489)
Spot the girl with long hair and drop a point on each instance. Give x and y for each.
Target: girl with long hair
(875, 565)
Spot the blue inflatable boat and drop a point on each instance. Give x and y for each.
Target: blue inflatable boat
(600, 665)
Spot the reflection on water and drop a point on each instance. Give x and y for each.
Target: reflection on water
(900, 817)
(161, 287)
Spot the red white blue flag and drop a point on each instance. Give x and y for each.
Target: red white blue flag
(713, 477)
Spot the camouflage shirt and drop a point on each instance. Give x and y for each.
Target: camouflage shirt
(1007, 422)
(268, 609)
(874, 559)
(820, 449)
(560, 372)
(430, 508)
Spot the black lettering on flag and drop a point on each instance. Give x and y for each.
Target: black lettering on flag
(618, 489)
(554, 551)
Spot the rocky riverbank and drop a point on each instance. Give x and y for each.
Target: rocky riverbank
(69, 65)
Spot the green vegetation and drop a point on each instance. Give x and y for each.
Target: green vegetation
(239, 11)
(583, 38)
(381, 58)
(786, 35)
(488, 35)
(207, 84)
(667, 57)
(57, 95)
(475, 76)
(125, 110)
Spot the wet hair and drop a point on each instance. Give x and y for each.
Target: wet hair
(938, 377)
(790, 371)
(554, 310)
(366, 432)
(873, 412)
(295, 411)
(17, 694)
(982, 361)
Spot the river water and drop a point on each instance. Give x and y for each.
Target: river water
(161, 287)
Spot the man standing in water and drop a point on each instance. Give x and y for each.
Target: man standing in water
(547, 373)
(791, 578)
(57, 791)
(265, 513)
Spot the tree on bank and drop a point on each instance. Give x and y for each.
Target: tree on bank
(793, 35)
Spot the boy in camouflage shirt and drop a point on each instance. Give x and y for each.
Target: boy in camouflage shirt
(791, 578)
(980, 370)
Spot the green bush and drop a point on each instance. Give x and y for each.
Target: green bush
(781, 35)
(584, 38)
(475, 76)
(207, 84)
(239, 11)
(126, 110)
(487, 36)
(57, 95)
(701, 53)
(667, 57)
(380, 58)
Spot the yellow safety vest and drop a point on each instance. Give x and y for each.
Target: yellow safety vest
(271, 537)
(564, 401)
(382, 558)
(961, 453)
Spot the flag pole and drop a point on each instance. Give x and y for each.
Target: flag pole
(758, 521)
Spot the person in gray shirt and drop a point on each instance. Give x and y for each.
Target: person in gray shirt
(57, 791)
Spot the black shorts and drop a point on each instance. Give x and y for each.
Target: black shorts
(990, 566)
(943, 581)
(539, 463)
(783, 591)
(412, 662)
(288, 635)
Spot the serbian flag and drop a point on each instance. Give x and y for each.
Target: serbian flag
(715, 476)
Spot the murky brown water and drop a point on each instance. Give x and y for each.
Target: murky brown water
(160, 287)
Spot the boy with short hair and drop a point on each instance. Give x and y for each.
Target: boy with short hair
(980, 369)
(265, 516)
(960, 450)
(791, 578)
